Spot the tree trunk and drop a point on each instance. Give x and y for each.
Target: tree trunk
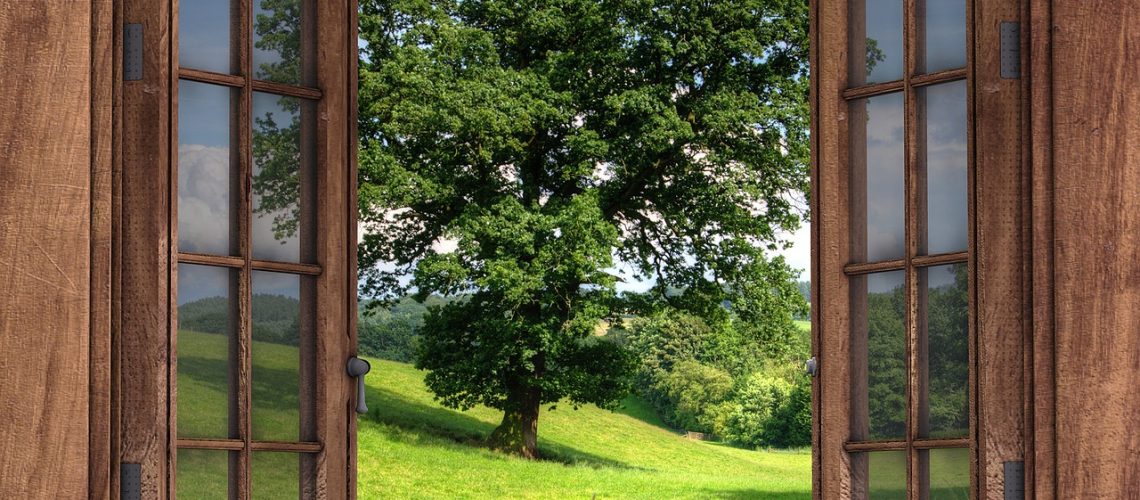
(518, 433)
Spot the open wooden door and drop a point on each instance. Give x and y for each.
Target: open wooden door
(919, 255)
(236, 283)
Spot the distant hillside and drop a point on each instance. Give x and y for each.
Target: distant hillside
(274, 317)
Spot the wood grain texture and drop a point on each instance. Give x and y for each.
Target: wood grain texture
(103, 83)
(832, 251)
(45, 248)
(144, 255)
(1096, 168)
(1000, 253)
(1041, 464)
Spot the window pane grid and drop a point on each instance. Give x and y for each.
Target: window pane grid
(280, 67)
(934, 263)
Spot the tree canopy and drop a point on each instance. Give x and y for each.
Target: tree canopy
(523, 153)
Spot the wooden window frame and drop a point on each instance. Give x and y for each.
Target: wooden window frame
(145, 268)
(1000, 250)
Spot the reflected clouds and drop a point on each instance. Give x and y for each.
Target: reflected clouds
(884, 163)
(946, 167)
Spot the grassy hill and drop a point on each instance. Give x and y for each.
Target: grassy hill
(410, 447)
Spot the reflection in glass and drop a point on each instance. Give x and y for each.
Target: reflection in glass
(949, 473)
(204, 36)
(879, 475)
(281, 178)
(879, 356)
(205, 169)
(278, 41)
(202, 474)
(947, 326)
(277, 475)
(205, 334)
(945, 35)
(946, 167)
(877, 33)
(877, 135)
(281, 339)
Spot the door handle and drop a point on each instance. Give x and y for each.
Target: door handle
(357, 368)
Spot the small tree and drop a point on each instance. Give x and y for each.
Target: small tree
(514, 152)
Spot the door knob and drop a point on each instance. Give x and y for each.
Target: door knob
(357, 368)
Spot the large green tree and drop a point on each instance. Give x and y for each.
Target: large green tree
(520, 153)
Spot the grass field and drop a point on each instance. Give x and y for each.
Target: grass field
(411, 447)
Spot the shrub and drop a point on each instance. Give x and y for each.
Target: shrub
(698, 394)
(756, 400)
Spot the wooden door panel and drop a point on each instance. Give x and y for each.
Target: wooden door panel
(848, 438)
(46, 248)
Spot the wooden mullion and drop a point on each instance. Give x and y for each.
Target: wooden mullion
(198, 75)
(869, 446)
(210, 260)
(243, 40)
(172, 249)
(212, 444)
(874, 267)
(940, 259)
(910, 213)
(286, 267)
(873, 90)
(929, 444)
(944, 76)
(310, 93)
(287, 446)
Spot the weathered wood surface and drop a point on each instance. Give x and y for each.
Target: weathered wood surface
(1000, 302)
(45, 252)
(1096, 167)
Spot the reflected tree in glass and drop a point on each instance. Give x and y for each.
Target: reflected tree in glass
(886, 374)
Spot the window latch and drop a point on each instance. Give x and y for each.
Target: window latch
(357, 368)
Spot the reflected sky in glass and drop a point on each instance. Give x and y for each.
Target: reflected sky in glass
(946, 167)
(204, 35)
(945, 35)
(885, 180)
(204, 169)
(883, 60)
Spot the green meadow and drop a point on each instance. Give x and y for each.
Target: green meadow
(412, 447)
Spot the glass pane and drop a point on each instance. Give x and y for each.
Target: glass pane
(205, 336)
(877, 33)
(281, 340)
(877, 180)
(949, 473)
(204, 36)
(205, 169)
(277, 475)
(947, 326)
(203, 474)
(280, 41)
(945, 36)
(946, 167)
(879, 475)
(878, 348)
(282, 173)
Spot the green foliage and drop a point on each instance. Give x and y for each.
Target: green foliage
(886, 361)
(698, 393)
(790, 424)
(393, 332)
(755, 402)
(274, 317)
(548, 141)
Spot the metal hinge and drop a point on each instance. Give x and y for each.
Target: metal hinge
(132, 52)
(130, 481)
(1010, 49)
(1014, 480)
